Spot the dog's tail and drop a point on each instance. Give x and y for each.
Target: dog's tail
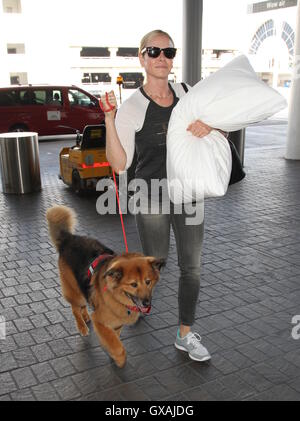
(60, 219)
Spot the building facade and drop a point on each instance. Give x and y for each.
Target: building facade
(36, 47)
(271, 26)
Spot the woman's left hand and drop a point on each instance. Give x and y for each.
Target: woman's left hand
(199, 129)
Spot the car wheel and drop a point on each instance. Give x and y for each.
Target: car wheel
(77, 183)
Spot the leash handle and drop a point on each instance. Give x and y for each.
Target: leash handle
(120, 212)
(110, 106)
(107, 110)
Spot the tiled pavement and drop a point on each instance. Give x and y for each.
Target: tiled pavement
(250, 290)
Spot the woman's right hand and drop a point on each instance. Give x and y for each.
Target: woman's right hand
(199, 129)
(112, 101)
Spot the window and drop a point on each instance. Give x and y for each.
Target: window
(94, 52)
(54, 97)
(40, 97)
(96, 77)
(86, 78)
(11, 6)
(288, 36)
(31, 97)
(100, 77)
(18, 78)
(79, 98)
(266, 30)
(127, 52)
(7, 99)
(132, 80)
(15, 48)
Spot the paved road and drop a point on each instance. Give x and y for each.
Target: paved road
(266, 136)
(249, 294)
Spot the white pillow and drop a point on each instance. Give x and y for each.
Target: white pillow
(230, 99)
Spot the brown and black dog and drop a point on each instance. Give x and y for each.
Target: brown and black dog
(117, 287)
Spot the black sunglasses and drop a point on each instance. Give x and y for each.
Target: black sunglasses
(154, 52)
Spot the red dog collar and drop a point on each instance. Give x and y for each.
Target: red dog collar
(96, 262)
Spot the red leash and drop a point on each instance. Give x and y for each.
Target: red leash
(105, 110)
(120, 212)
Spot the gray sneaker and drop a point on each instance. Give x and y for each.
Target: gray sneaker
(191, 343)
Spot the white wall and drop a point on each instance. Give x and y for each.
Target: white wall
(49, 27)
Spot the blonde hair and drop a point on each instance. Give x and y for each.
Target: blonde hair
(152, 34)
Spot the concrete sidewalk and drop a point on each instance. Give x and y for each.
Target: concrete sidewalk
(250, 291)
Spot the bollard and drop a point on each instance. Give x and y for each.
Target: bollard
(19, 162)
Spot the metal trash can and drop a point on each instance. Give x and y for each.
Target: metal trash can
(238, 139)
(20, 163)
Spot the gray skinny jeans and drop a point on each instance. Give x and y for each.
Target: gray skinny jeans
(154, 233)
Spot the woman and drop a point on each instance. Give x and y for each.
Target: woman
(141, 125)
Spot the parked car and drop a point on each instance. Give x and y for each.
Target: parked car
(48, 110)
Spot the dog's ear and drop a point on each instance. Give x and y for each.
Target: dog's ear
(113, 276)
(156, 263)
